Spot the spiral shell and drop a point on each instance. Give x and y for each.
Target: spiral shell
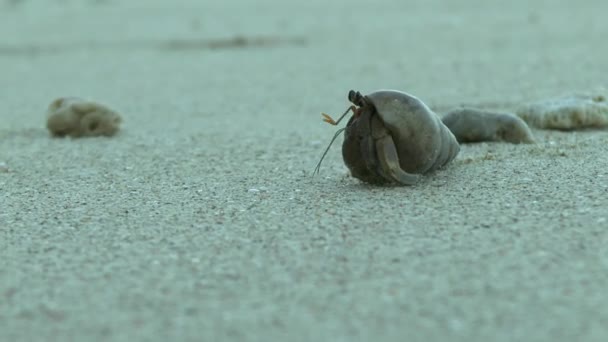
(395, 138)
(471, 125)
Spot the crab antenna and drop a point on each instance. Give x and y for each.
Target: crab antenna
(327, 149)
(330, 120)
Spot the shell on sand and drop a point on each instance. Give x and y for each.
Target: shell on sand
(578, 111)
(474, 125)
(395, 138)
(75, 117)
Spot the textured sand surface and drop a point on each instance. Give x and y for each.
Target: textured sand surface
(199, 220)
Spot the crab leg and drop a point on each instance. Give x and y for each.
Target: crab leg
(368, 154)
(389, 159)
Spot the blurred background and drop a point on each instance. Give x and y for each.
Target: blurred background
(445, 51)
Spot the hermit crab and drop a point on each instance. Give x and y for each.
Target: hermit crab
(392, 137)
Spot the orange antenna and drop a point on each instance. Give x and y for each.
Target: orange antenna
(331, 121)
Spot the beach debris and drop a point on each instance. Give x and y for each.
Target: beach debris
(4, 167)
(392, 137)
(76, 117)
(471, 125)
(237, 42)
(185, 44)
(571, 112)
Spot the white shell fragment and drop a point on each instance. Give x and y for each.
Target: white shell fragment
(572, 112)
(75, 117)
(473, 125)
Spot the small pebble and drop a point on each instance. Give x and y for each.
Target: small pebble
(316, 143)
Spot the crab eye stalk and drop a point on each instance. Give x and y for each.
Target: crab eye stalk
(356, 98)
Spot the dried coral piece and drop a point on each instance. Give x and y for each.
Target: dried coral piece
(571, 112)
(75, 117)
(472, 125)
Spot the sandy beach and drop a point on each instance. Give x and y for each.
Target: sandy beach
(201, 221)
